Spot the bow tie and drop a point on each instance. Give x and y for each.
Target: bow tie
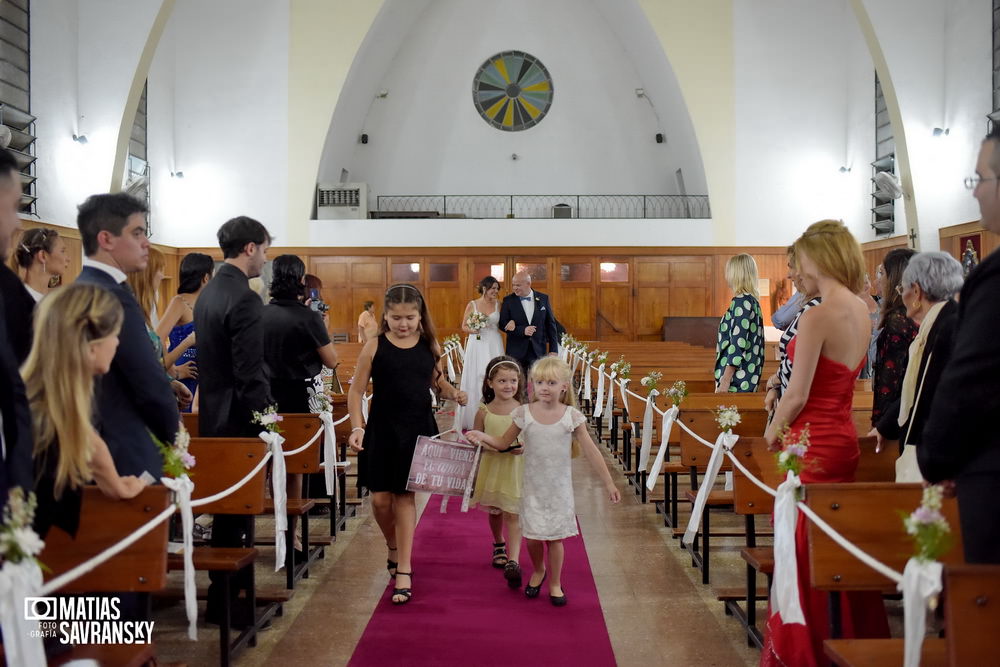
(525, 298)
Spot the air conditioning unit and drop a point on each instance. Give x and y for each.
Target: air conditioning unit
(342, 201)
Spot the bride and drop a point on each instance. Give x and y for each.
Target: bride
(481, 346)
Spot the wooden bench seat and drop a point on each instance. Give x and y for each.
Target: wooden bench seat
(293, 506)
(882, 652)
(760, 559)
(215, 559)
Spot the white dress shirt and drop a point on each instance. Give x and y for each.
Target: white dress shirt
(113, 271)
(529, 305)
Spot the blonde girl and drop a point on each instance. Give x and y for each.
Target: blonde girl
(403, 363)
(549, 425)
(498, 484)
(75, 339)
(739, 352)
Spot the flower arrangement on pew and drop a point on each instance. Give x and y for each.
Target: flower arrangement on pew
(930, 530)
(477, 322)
(622, 368)
(600, 358)
(792, 453)
(727, 418)
(453, 340)
(318, 401)
(652, 381)
(677, 392)
(567, 341)
(268, 419)
(18, 540)
(177, 461)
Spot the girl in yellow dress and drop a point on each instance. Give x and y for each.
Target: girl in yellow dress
(498, 484)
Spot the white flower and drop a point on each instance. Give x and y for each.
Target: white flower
(27, 540)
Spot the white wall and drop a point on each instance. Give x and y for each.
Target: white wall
(426, 136)
(218, 112)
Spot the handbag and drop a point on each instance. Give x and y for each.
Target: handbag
(907, 468)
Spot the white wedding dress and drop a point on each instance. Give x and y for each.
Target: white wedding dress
(478, 352)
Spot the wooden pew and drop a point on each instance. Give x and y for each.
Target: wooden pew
(142, 567)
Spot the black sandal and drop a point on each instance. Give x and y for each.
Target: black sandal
(512, 573)
(405, 593)
(390, 564)
(500, 555)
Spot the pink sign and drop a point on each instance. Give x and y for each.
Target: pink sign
(440, 466)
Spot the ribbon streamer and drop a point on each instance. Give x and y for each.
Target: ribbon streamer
(459, 352)
(470, 480)
(278, 495)
(365, 398)
(785, 586)
(329, 452)
(609, 408)
(22, 641)
(920, 587)
(182, 488)
(725, 441)
(599, 403)
(647, 431)
(587, 391)
(451, 368)
(666, 424)
(623, 387)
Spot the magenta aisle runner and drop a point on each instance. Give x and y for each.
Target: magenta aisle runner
(463, 613)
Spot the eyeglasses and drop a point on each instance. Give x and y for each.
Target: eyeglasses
(973, 181)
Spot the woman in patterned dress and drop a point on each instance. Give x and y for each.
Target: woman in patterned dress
(739, 353)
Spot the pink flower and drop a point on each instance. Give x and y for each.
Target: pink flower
(187, 460)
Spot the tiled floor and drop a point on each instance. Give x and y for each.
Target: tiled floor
(656, 609)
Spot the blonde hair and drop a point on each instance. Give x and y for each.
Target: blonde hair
(142, 283)
(741, 274)
(554, 368)
(59, 380)
(835, 251)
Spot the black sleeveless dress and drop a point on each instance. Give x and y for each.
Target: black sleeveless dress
(400, 411)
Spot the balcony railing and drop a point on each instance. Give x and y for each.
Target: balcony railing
(543, 206)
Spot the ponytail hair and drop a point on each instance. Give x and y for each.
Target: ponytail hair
(408, 294)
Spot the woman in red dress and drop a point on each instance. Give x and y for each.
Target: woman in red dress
(827, 354)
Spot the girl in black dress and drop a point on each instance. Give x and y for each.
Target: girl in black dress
(403, 363)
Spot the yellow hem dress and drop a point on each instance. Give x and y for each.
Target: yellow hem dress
(498, 483)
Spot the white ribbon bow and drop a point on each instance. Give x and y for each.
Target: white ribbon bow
(608, 409)
(278, 494)
(623, 387)
(647, 430)
(22, 641)
(599, 403)
(365, 398)
(666, 424)
(920, 587)
(329, 452)
(451, 367)
(182, 488)
(726, 441)
(785, 587)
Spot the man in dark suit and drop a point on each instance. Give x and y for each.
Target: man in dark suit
(135, 397)
(232, 379)
(527, 318)
(15, 419)
(960, 440)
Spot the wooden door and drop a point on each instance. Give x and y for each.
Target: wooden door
(613, 318)
(447, 293)
(347, 283)
(671, 286)
(573, 296)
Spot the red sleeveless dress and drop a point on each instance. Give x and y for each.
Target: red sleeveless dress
(832, 457)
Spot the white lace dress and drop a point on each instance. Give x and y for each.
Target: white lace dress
(547, 508)
(478, 353)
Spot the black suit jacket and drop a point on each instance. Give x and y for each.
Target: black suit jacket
(232, 378)
(17, 467)
(961, 436)
(134, 398)
(20, 307)
(937, 353)
(545, 338)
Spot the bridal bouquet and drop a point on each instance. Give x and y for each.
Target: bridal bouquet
(476, 321)
(792, 451)
(930, 530)
(268, 419)
(176, 459)
(18, 540)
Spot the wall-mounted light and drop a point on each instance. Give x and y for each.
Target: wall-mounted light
(940, 132)
(640, 92)
(177, 174)
(514, 156)
(382, 94)
(415, 267)
(80, 138)
(844, 170)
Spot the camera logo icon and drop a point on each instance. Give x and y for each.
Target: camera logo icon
(40, 609)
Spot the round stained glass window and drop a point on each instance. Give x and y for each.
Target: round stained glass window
(512, 91)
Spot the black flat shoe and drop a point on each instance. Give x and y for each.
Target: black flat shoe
(533, 591)
(405, 593)
(512, 573)
(558, 601)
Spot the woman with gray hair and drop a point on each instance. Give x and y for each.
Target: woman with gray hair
(928, 284)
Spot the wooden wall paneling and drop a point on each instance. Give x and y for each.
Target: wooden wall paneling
(653, 296)
(448, 292)
(615, 316)
(875, 251)
(572, 295)
(690, 278)
(952, 237)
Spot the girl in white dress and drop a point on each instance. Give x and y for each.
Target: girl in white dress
(480, 346)
(549, 425)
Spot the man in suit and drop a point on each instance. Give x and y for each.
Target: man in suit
(526, 316)
(135, 397)
(15, 418)
(960, 440)
(232, 379)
